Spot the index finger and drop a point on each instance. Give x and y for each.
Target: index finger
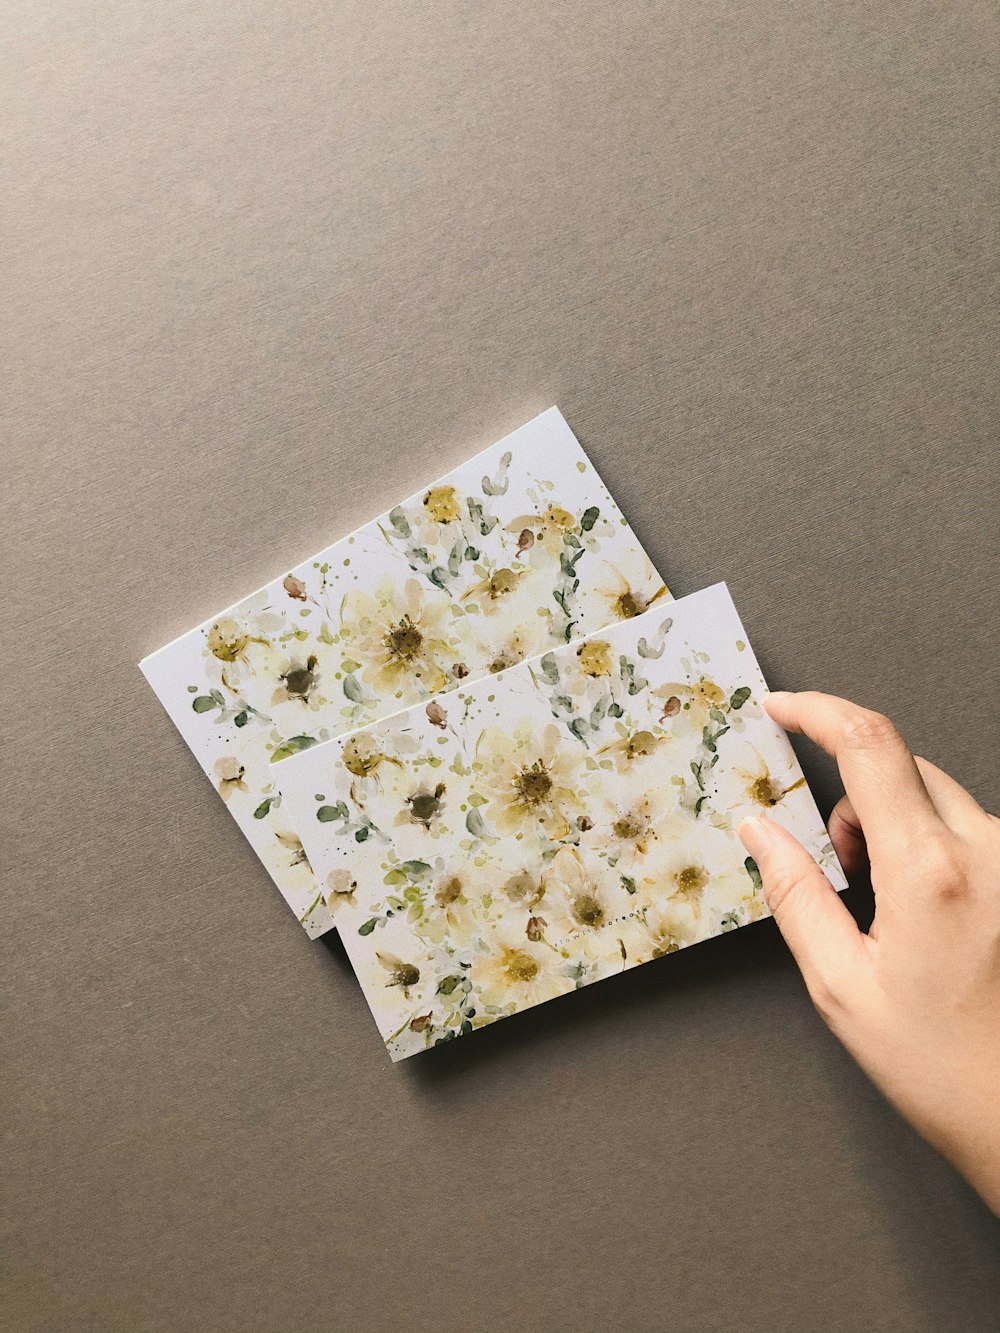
(879, 772)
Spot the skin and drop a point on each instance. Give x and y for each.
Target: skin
(916, 1001)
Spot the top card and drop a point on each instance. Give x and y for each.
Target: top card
(517, 551)
(569, 819)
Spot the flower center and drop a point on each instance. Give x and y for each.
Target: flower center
(405, 975)
(595, 659)
(448, 891)
(629, 604)
(691, 879)
(587, 910)
(628, 826)
(762, 791)
(643, 742)
(533, 784)
(226, 640)
(521, 966)
(299, 681)
(504, 580)
(425, 805)
(404, 641)
(666, 944)
(442, 504)
(360, 760)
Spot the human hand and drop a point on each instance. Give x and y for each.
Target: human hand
(916, 1001)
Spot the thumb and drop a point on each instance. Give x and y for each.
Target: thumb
(816, 925)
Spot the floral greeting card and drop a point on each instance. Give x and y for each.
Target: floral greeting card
(566, 819)
(517, 551)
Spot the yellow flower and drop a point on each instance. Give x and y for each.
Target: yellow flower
(517, 972)
(243, 649)
(633, 589)
(340, 888)
(686, 705)
(631, 750)
(669, 927)
(575, 903)
(401, 974)
(229, 772)
(492, 592)
(441, 503)
(523, 887)
(761, 787)
(227, 640)
(627, 831)
(400, 640)
(362, 757)
(739, 790)
(548, 528)
(448, 914)
(527, 778)
(683, 877)
(499, 647)
(293, 843)
(595, 658)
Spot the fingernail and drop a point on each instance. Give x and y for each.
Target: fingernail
(755, 834)
(779, 695)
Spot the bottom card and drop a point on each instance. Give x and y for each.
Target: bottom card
(564, 820)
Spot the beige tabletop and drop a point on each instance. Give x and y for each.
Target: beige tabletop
(268, 268)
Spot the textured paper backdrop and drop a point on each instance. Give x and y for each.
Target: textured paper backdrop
(251, 255)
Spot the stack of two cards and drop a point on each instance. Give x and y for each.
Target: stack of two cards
(480, 739)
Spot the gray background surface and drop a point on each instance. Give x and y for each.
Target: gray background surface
(267, 268)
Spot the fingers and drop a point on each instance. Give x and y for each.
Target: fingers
(847, 836)
(879, 773)
(819, 930)
(954, 804)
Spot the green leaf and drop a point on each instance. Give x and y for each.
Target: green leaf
(590, 517)
(599, 712)
(263, 808)
(416, 869)
(739, 697)
(696, 770)
(241, 719)
(362, 835)
(628, 883)
(399, 521)
(499, 486)
(327, 813)
(294, 745)
(394, 877)
(353, 690)
(439, 577)
(368, 926)
(447, 985)
(549, 669)
(750, 865)
(204, 703)
(474, 823)
(216, 695)
(484, 524)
